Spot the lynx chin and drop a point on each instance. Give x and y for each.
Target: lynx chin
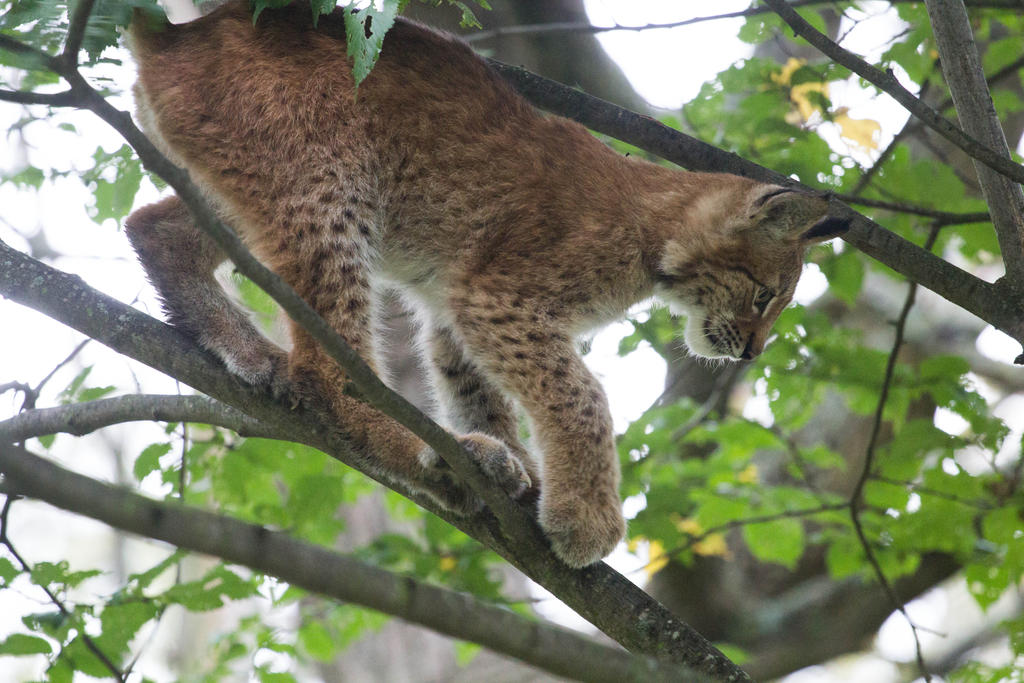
(509, 232)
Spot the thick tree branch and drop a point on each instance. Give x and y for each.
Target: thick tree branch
(961, 65)
(84, 418)
(887, 82)
(996, 305)
(323, 571)
(598, 593)
(79, 19)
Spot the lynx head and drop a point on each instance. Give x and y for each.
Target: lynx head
(733, 281)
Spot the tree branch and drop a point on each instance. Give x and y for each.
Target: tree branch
(598, 593)
(84, 418)
(940, 217)
(583, 27)
(991, 303)
(59, 99)
(323, 571)
(856, 502)
(887, 82)
(77, 24)
(961, 66)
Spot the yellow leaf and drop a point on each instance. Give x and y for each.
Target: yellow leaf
(447, 563)
(657, 559)
(714, 544)
(863, 133)
(804, 105)
(748, 475)
(690, 525)
(790, 67)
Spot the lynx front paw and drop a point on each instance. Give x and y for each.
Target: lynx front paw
(582, 532)
(493, 458)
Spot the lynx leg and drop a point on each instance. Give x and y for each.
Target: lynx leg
(328, 262)
(470, 401)
(179, 260)
(580, 509)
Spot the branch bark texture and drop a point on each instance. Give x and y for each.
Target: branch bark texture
(961, 66)
(323, 571)
(83, 418)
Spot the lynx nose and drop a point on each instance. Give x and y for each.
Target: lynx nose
(753, 347)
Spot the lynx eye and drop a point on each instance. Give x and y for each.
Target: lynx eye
(763, 297)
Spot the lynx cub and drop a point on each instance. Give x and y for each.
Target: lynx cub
(510, 232)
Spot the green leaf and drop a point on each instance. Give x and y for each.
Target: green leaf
(22, 644)
(7, 571)
(120, 623)
(114, 179)
(780, 541)
(47, 440)
(144, 579)
(364, 34)
(316, 641)
(70, 392)
(845, 275)
(93, 393)
(48, 573)
(149, 459)
(61, 671)
(466, 652)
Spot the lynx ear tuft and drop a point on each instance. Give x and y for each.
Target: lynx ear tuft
(826, 229)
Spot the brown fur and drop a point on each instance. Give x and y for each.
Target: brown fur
(510, 232)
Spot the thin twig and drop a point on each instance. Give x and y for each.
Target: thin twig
(940, 217)
(856, 501)
(71, 356)
(31, 395)
(89, 643)
(928, 491)
(60, 99)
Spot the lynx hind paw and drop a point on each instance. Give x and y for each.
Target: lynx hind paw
(498, 463)
(259, 365)
(495, 460)
(582, 533)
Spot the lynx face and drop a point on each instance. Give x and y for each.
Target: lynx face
(733, 292)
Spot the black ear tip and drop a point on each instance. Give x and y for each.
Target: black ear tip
(827, 228)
